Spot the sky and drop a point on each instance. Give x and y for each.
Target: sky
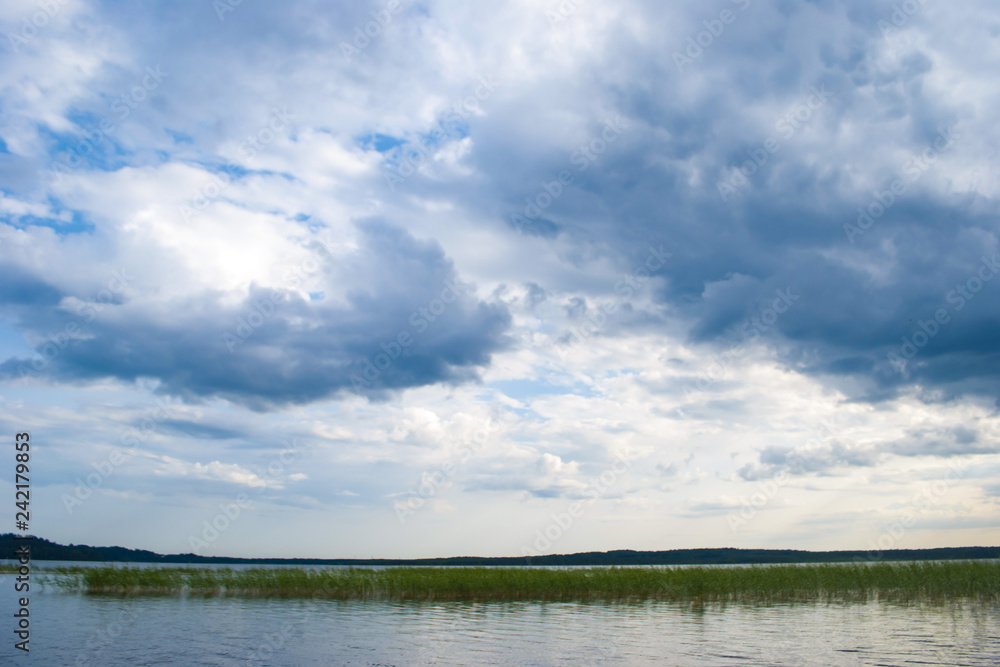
(416, 279)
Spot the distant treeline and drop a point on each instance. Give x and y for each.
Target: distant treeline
(42, 549)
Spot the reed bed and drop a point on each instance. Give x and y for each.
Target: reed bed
(951, 580)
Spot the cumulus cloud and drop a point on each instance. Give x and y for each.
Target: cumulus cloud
(407, 321)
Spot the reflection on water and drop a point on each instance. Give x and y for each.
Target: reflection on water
(76, 629)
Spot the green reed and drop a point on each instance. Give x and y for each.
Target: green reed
(971, 580)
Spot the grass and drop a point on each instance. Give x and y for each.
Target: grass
(948, 580)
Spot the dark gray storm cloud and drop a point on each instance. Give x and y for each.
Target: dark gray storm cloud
(763, 153)
(826, 86)
(407, 321)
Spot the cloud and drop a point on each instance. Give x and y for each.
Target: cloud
(883, 104)
(407, 321)
(829, 457)
(944, 443)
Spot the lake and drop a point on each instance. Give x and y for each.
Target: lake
(78, 629)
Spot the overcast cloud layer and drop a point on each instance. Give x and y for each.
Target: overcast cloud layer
(418, 277)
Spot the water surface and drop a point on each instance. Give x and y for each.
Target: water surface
(79, 629)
